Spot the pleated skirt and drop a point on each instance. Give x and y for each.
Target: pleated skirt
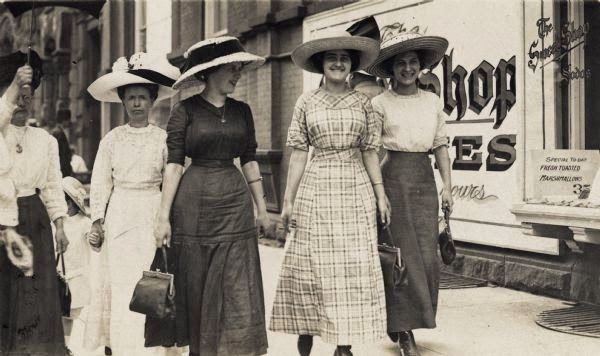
(411, 189)
(218, 282)
(30, 314)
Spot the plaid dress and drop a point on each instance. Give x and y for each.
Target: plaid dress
(330, 282)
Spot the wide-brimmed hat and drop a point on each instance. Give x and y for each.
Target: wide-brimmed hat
(214, 52)
(75, 191)
(368, 49)
(431, 48)
(140, 68)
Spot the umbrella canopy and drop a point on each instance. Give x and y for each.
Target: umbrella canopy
(18, 7)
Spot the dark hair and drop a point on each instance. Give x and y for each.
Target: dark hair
(388, 64)
(318, 58)
(152, 89)
(203, 75)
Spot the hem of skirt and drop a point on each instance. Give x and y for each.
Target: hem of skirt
(346, 340)
(415, 327)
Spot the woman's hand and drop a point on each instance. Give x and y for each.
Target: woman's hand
(447, 200)
(162, 233)
(286, 214)
(265, 226)
(61, 240)
(385, 211)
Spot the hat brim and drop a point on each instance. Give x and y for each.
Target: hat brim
(189, 80)
(105, 88)
(76, 201)
(433, 49)
(368, 48)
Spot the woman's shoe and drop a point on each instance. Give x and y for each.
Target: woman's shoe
(343, 351)
(305, 343)
(107, 351)
(408, 347)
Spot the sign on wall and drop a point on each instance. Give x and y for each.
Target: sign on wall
(564, 173)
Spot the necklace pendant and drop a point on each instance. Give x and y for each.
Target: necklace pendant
(223, 121)
(19, 148)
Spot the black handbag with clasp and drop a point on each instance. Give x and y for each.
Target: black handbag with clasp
(392, 265)
(447, 249)
(154, 294)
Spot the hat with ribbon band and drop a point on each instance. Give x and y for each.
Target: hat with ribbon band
(140, 68)
(431, 49)
(363, 37)
(211, 53)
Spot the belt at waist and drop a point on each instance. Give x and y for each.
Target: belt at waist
(212, 163)
(25, 192)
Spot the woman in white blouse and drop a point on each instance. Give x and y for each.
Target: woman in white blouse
(30, 313)
(414, 124)
(125, 195)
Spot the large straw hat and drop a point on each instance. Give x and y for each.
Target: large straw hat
(140, 68)
(432, 49)
(75, 191)
(214, 52)
(335, 40)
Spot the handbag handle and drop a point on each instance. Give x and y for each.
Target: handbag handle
(164, 255)
(388, 236)
(59, 256)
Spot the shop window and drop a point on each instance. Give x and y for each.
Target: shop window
(215, 18)
(577, 83)
(592, 84)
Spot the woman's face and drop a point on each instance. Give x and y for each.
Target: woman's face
(336, 65)
(137, 102)
(406, 68)
(225, 78)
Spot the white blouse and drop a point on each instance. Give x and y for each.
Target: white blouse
(8, 199)
(36, 167)
(127, 159)
(412, 123)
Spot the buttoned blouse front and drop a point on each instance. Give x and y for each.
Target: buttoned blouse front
(128, 158)
(412, 123)
(200, 130)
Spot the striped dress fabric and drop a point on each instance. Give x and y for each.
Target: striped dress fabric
(330, 284)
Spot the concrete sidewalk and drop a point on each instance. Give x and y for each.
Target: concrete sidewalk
(475, 321)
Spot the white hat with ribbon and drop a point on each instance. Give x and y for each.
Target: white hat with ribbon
(211, 53)
(140, 68)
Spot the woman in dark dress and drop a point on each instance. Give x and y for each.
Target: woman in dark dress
(209, 211)
(414, 124)
(30, 314)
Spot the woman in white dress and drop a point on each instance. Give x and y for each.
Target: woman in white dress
(125, 190)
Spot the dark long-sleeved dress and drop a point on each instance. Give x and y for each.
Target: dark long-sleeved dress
(218, 283)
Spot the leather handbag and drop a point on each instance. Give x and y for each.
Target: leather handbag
(154, 294)
(447, 248)
(64, 293)
(392, 265)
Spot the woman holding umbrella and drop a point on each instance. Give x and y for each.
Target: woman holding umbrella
(125, 191)
(30, 314)
(414, 124)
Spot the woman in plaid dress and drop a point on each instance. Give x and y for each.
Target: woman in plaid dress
(330, 283)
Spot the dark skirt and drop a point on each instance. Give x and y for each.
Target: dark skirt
(30, 313)
(411, 189)
(218, 282)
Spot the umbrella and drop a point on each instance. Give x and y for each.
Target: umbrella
(18, 7)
